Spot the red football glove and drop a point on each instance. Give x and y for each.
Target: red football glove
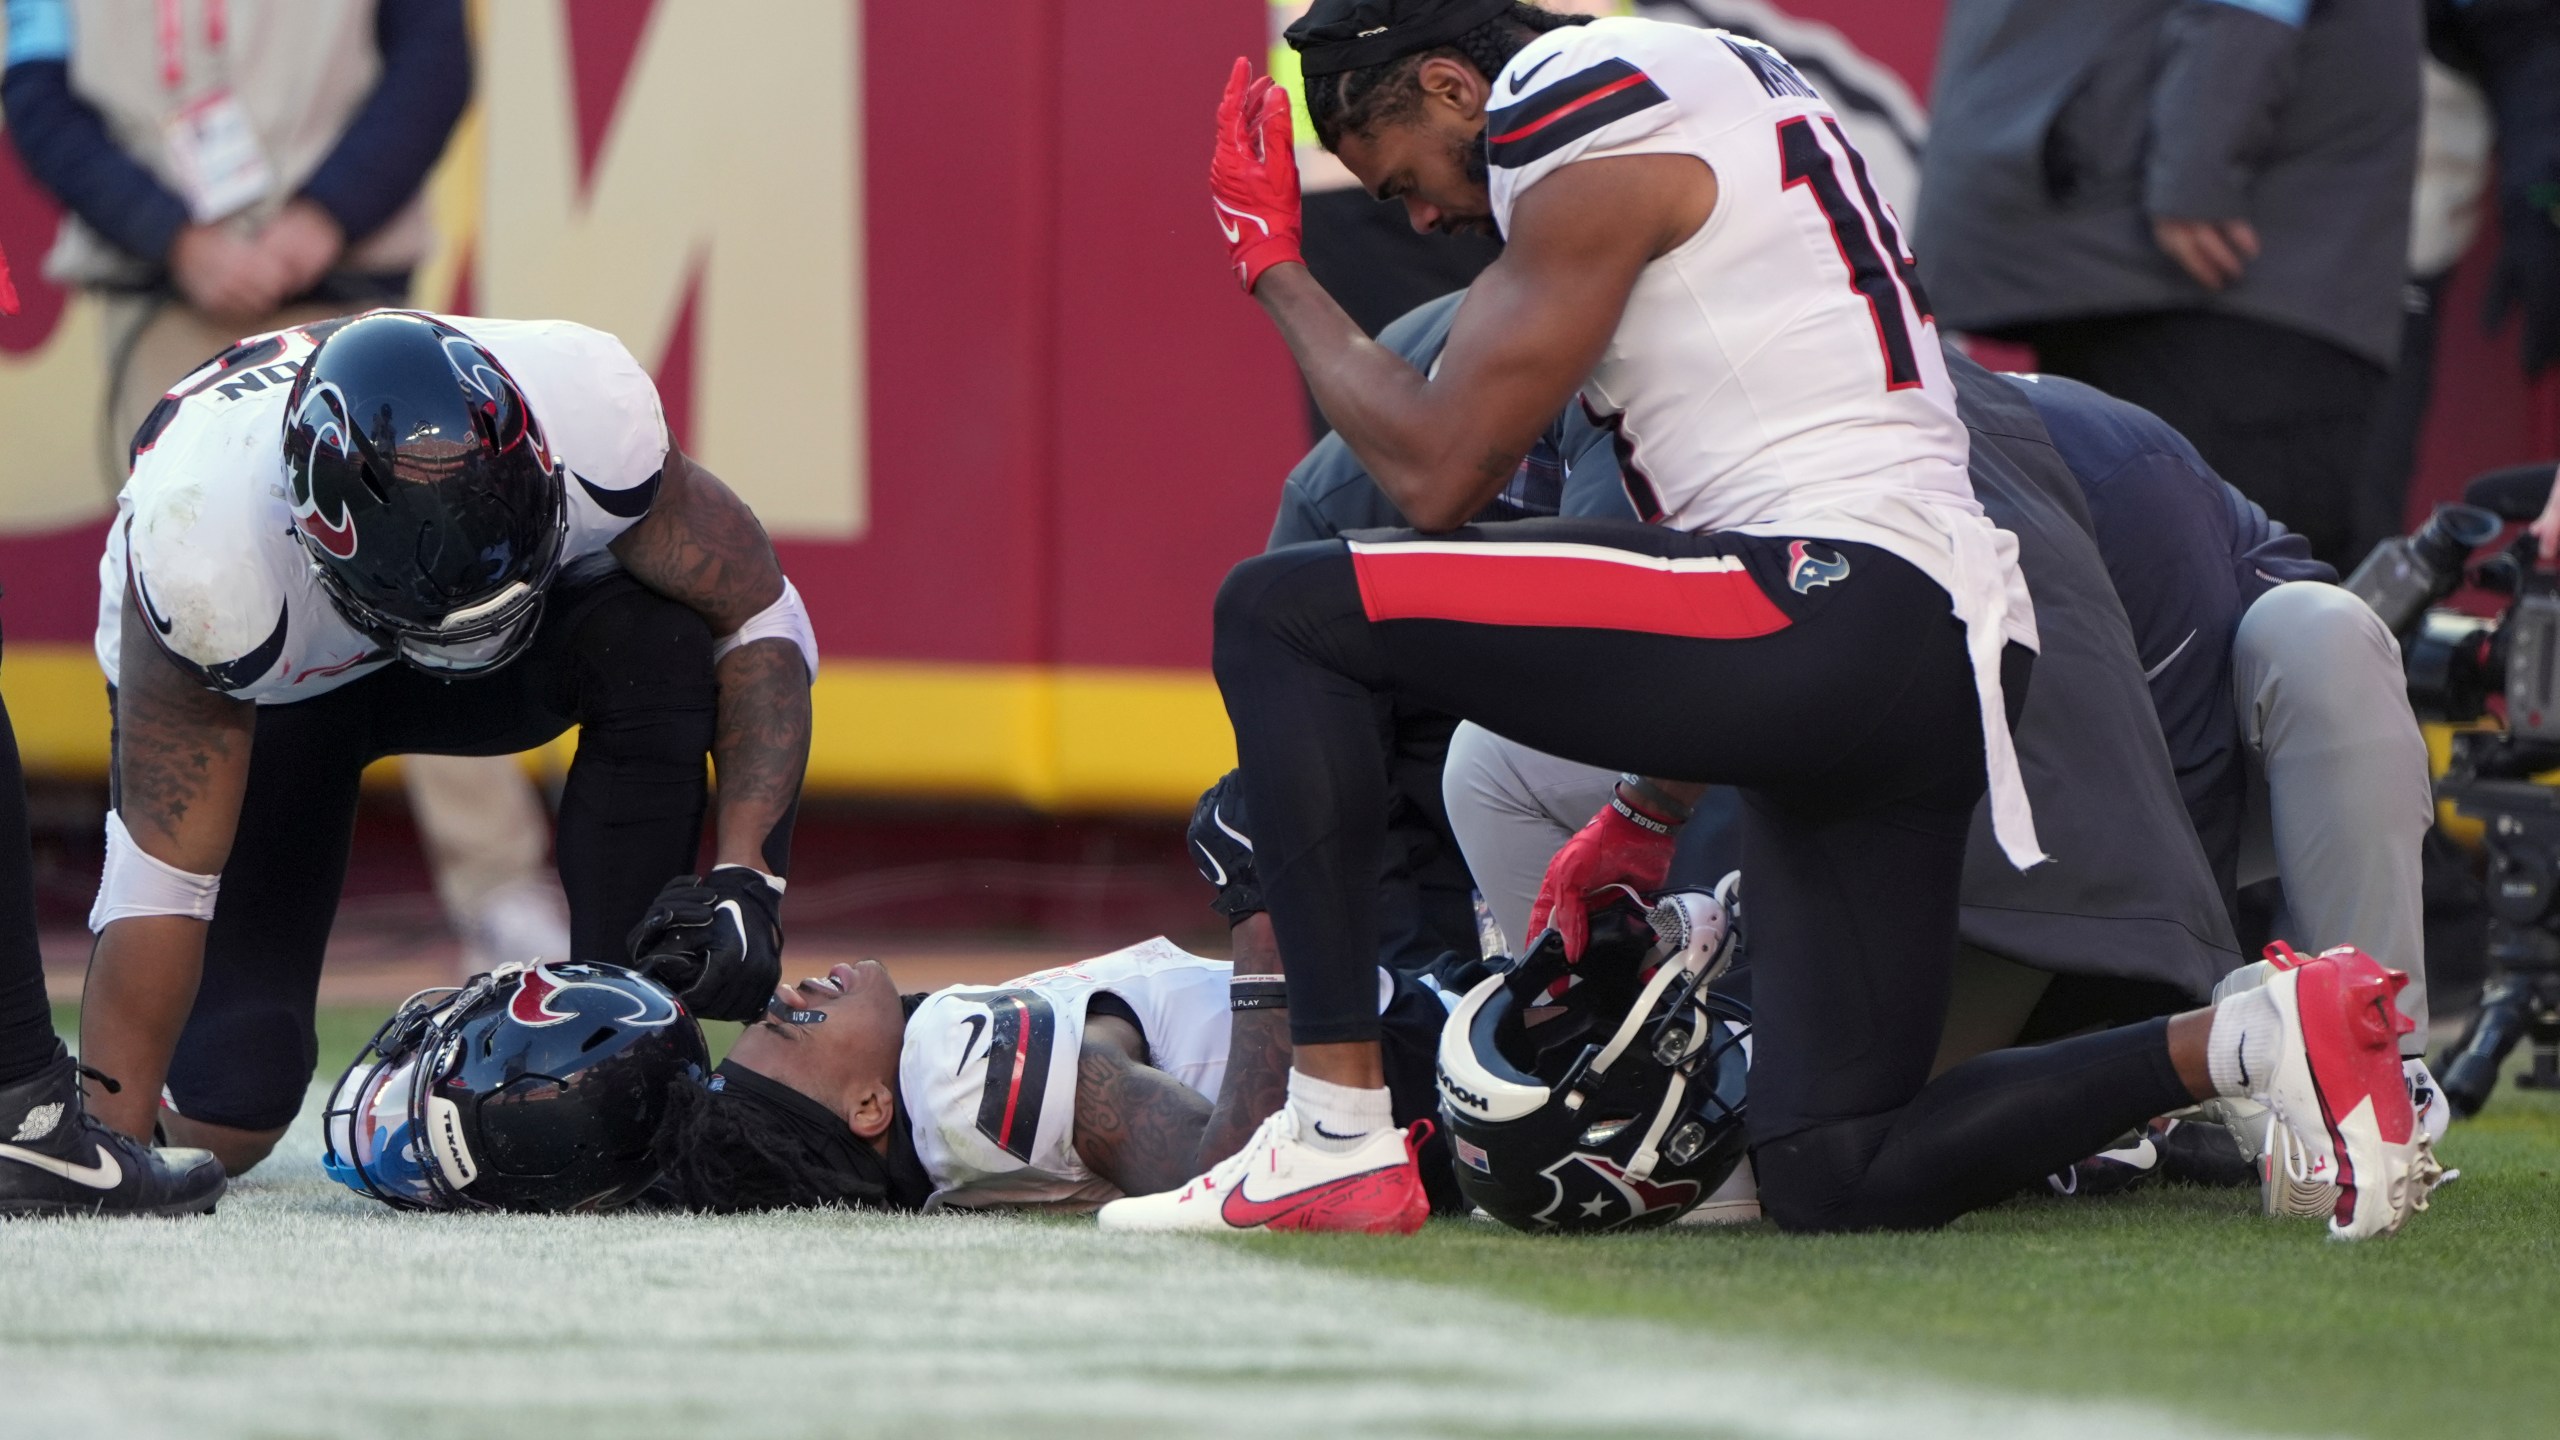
(1253, 175)
(1611, 850)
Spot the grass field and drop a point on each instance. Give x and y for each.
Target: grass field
(300, 1310)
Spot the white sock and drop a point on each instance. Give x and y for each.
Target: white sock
(2240, 1054)
(1337, 1117)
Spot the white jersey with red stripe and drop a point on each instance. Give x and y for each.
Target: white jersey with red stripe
(988, 1074)
(1777, 372)
(205, 526)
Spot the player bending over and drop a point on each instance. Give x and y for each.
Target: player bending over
(1819, 615)
(403, 533)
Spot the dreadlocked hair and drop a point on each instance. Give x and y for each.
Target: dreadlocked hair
(725, 1155)
(1355, 100)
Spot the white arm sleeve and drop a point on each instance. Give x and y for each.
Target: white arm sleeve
(784, 619)
(134, 883)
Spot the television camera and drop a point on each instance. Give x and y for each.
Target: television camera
(2457, 664)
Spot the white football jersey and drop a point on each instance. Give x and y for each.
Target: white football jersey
(206, 526)
(988, 1074)
(1778, 372)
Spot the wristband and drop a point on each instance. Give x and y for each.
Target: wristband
(1657, 797)
(1258, 992)
(1637, 817)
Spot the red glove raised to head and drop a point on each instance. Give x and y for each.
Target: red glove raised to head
(1253, 175)
(1618, 847)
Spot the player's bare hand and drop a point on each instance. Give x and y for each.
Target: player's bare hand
(2546, 526)
(2215, 252)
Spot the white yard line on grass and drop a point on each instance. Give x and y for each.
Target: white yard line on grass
(301, 1310)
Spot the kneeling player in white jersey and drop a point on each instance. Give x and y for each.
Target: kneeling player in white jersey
(1819, 614)
(1120, 1075)
(401, 533)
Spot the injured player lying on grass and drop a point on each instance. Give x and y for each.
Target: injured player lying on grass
(1123, 1074)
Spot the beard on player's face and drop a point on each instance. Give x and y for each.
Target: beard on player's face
(1433, 160)
(855, 1046)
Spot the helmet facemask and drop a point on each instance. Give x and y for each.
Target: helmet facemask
(1615, 1101)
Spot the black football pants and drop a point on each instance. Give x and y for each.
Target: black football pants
(1829, 683)
(27, 1042)
(628, 666)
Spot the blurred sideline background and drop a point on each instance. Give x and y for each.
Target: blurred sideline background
(933, 287)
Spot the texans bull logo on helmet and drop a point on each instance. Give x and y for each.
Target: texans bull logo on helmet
(319, 485)
(1604, 1196)
(498, 397)
(544, 998)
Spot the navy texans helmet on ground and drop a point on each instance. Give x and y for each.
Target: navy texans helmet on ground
(423, 492)
(534, 1087)
(1616, 1104)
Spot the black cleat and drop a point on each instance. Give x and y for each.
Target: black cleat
(55, 1160)
(2130, 1161)
(2202, 1152)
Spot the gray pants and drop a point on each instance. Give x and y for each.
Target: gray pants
(2339, 796)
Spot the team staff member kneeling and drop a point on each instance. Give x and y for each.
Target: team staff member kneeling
(403, 534)
(1820, 616)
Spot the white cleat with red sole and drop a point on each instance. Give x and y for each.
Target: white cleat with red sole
(1280, 1182)
(2339, 1095)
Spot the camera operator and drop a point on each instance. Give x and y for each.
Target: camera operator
(2546, 529)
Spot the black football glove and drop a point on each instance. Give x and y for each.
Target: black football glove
(1223, 849)
(714, 940)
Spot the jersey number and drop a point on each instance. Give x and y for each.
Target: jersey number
(1884, 276)
(1025, 1029)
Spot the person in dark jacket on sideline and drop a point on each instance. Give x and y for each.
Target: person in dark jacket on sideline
(2200, 206)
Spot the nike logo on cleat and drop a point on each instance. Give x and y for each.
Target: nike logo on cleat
(1246, 1213)
(106, 1174)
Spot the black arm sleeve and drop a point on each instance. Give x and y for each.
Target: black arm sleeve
(401, 128)
(65, 145)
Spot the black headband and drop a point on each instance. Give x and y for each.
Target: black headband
(859, 1169)
(1338, 35)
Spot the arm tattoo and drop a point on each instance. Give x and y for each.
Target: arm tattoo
(181, 758)
(1136, 1126)
(1256, 1085)
(761, 748)
(701, 545)
(1258, 1052)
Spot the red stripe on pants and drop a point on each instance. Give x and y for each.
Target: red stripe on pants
(1494, 586)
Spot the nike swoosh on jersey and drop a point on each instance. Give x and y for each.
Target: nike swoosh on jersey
(106, 1174)
(142, 593)
(1244, 1212)
(2154, 672)
(1520, 81)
